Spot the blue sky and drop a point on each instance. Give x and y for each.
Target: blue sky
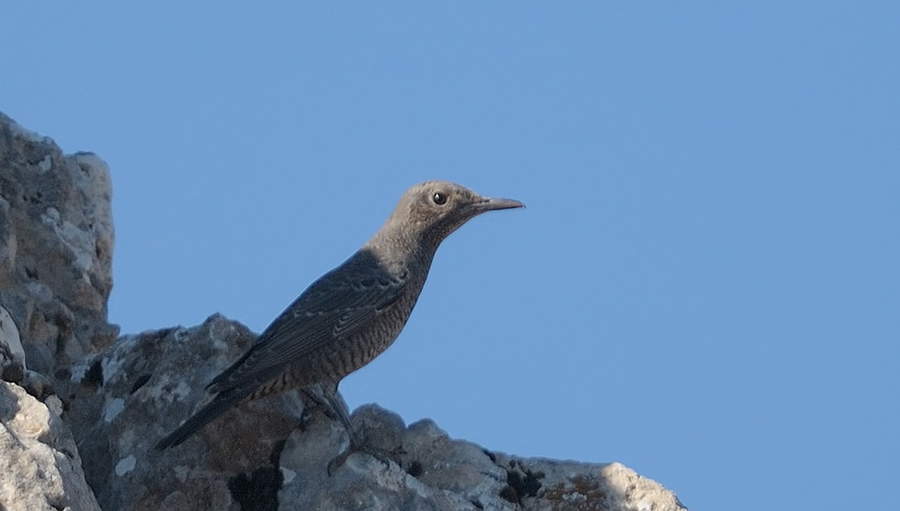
(705, 285)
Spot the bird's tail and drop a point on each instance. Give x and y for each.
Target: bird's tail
(206, 414)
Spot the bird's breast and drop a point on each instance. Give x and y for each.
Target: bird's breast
(347, 353)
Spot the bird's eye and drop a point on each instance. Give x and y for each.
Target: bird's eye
(439, 198)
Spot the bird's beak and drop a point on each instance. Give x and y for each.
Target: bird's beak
(490, 204)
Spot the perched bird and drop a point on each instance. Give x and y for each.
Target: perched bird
(351, 314)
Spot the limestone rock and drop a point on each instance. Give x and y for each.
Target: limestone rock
(273, 453)
(127, 398)
(436, 472)
(12, 354)
(40, 468)
(56, 244)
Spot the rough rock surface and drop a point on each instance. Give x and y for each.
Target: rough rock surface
(12, 354)
(116, 399)
(436, 472)
(39, 465)
(128, 397)
(56, 245)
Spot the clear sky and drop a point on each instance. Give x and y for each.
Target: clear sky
(705, 285)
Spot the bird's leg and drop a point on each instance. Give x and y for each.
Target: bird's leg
(316, 398)
(357, 443)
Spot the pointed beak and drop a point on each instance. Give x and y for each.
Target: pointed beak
(490, 204)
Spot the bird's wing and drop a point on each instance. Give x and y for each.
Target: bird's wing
(338, 304)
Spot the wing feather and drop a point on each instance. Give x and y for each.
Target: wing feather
(337, 305)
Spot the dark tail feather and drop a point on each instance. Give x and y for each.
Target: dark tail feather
(210, 411)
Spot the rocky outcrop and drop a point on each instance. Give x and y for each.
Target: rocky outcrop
(40, 468)
(56, 245)
(70, 382)
(273, 453)
(440, 473)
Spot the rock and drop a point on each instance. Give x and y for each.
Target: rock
(12, 354)
(425, 477)
(39, 465)
(121, 395)
(56, 244)
(144, 385)
(267, 455)
(12, 361)
(438, 473)
(545, 485)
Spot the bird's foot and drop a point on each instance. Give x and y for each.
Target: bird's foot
(385, 456)
(318, 403)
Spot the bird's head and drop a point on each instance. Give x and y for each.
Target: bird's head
(430, 211)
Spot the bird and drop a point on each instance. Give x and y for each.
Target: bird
(350, 315)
